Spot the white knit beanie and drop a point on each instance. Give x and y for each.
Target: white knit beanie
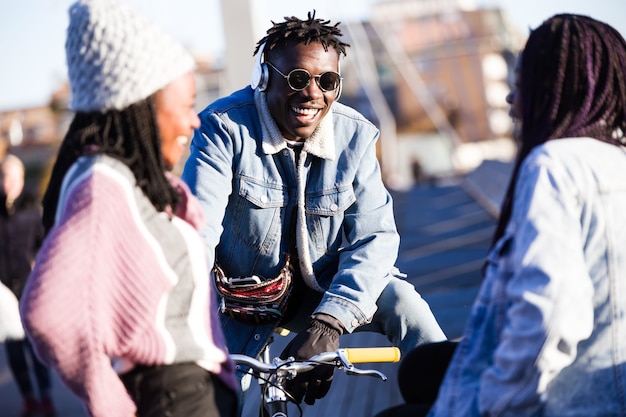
(116, 58)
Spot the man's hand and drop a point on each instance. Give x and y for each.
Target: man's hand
(322, 335)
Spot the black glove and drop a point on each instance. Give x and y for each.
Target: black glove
(322, 335)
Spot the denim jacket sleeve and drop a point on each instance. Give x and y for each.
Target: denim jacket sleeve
(209, 175)
(549, 291)
(370, 239)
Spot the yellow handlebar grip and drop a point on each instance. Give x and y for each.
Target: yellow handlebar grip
(375, 354)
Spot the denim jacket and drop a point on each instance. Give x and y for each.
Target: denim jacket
(547, 333)
(247, 180)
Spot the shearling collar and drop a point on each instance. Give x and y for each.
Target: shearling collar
(321, 143)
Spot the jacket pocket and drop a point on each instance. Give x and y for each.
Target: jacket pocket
(263, 194)
(330, 202)
(255, 221)
(325, 213)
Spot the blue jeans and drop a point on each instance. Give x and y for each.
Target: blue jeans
(402, 315)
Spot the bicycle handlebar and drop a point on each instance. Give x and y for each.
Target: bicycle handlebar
(341, 358)
(273, 376)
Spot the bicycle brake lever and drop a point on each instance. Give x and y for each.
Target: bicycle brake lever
(367, 372)
(351, 370)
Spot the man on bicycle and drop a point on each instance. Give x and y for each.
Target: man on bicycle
(291, 187)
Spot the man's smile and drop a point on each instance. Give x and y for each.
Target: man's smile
(305, 115)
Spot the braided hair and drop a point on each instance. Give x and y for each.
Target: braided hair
(294, 30)
(131, 136)
(572, 84)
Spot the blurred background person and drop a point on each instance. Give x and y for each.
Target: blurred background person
(21, 234)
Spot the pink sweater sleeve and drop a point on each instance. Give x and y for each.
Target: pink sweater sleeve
(189, 207)
(84, 304)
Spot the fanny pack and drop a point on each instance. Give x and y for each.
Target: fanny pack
(254, 299)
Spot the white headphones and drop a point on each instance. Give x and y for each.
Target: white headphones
(340, 80)
(260, 73)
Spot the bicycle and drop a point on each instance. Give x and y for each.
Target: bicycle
(273, 374)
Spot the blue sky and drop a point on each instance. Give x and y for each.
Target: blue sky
(32, 32)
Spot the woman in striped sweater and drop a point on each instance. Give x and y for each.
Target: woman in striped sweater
(119, 302)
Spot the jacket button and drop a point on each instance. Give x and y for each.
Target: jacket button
(334, 207)
(257, 337)
(263, 199)
(355, 322)
(285, 152)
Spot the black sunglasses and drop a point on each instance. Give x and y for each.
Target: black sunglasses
(299, 79)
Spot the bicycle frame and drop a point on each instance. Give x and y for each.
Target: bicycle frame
(273, 374)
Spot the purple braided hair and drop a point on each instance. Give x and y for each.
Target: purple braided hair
(573, 84)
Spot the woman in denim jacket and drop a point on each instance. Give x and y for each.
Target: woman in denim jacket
(282, 168)
(547, 333)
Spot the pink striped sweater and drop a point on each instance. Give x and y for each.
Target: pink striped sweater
(117, 283)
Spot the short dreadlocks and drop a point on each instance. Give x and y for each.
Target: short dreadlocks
(294, 30)
(573, 84)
